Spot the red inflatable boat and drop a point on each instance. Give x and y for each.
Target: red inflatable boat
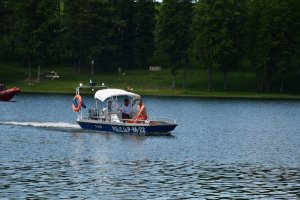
(6, 95)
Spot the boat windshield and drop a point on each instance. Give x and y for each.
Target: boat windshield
(114, 104)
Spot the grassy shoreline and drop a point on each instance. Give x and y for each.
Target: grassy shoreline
(143, 82)
(205, 95)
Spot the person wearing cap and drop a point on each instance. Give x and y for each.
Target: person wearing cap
(141, 113)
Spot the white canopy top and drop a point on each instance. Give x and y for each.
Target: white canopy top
(107, 93)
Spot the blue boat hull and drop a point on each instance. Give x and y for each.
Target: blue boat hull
(126, 127)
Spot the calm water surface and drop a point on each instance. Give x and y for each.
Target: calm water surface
(222, 149)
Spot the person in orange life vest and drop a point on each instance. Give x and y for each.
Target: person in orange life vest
(141, 113)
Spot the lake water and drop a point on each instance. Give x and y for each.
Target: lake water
(221, 149)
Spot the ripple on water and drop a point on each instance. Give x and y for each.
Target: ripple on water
(146, 179)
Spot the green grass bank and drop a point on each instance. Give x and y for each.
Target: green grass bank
(144, 82)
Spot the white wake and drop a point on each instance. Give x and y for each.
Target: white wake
(42, 124)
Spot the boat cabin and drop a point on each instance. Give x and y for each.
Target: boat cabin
(109, 105)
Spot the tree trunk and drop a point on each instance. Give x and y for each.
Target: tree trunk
(267, 84)
(174, 73)
(185, 70)
(12, 46)
(39, 73)
(78, 65)
(225, 80)
(209, 78)
(282, 86)
(29, 69)
(184, 76)
(269, 76)
(92, 67)
(259, 84)
(74, 60)
(173, 82)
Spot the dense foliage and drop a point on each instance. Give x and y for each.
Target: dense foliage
(220, 36)
(173, 32)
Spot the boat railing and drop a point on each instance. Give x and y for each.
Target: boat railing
(170, 121)
(115, 116)
(151, 121)
(89, 87)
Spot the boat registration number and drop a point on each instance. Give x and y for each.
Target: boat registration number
(132, 129)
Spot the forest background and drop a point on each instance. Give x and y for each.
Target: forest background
(195, 42)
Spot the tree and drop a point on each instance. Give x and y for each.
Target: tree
(275, 40)
(38, 20)
(287, 40)
(125, 35)
(231, 36)
(173, 32)
(2, 15)
(218, 35)
(75, 22)
(103, 29)
(205, 36)
(92, 28)
(144, 31)
(7, 24)
(36, 29)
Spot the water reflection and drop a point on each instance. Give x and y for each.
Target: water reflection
(145, 179)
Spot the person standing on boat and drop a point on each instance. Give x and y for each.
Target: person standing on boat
(142, 112)
(126, 109)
